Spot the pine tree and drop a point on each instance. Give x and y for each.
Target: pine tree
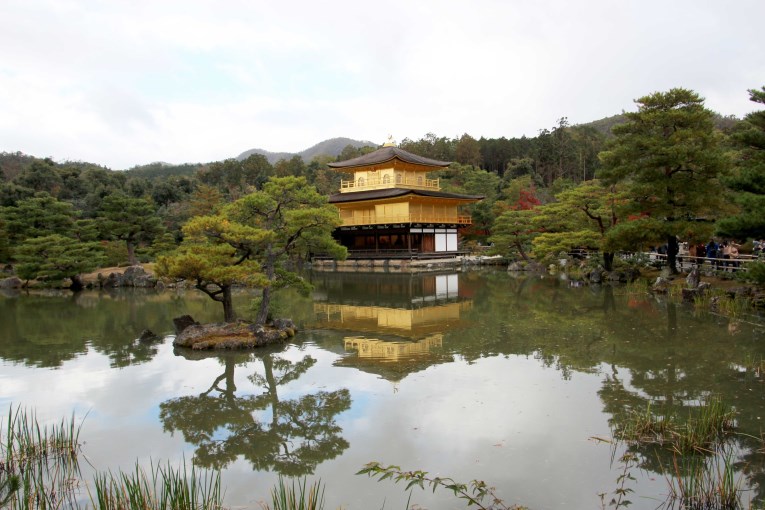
(253, 240)
(55, 257)
(132, 220)
(748, 179)
(669, 159)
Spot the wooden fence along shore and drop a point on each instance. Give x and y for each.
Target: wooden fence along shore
(739, 263)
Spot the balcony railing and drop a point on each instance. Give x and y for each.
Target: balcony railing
(399, 182)
(375, 219)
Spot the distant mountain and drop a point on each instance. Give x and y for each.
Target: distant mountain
(723, 123)
(604, 125)
(332, 147)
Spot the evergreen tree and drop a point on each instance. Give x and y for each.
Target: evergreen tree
(467, 151)
(588, 213)
(38, 216)
(748, 179)
(514, 231)
(41, 176)
(56, 257)
(132, 220)
(669, 159)
(253, 240)
(5, 245)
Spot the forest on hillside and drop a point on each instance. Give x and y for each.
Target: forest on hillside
(671, 170)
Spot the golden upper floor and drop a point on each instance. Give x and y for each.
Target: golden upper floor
(389, 167)
(388, 178)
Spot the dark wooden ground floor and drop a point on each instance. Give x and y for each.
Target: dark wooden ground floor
(399, 242)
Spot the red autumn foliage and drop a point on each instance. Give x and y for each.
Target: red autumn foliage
(526, 201)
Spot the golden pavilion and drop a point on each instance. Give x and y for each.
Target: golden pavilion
(391, 208)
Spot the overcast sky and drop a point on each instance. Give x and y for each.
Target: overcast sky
(122, 83)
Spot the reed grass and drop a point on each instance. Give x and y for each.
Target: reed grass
(675, 290)
(702, 475)
(646, 426)
(40, 463)
(706, 428)
(723, 304)
(704, 482)
(754, 365)
(703, 301)
(39, 470)
(734, 307)
(162, 488)
(296, 495)
(639, 287)
(703, 429)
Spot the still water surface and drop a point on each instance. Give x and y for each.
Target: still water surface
(475, 376)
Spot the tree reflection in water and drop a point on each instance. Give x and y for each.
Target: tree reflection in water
(300, 433)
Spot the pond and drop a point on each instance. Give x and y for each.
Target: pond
(475, 375)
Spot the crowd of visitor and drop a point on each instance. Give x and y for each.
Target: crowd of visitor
(719, 254)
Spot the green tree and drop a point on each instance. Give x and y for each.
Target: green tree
(294, 166)
(562, 149)
(519, 167)
(748, 179)
(587, 142)
(349, 152)
(132, 220)
(139, 187)
(588, 213)
(38, 216)
(5, 245)
(256, 170)
(215, 255)
(11, 194)
(55, 257)
(431, 146)
(163, 244)
(40, 176)
(513, 231)
(100, 183)
(86, 230)
(467, 151)
(669, 159)
(236, 177)
(164, 193)
(253, 241)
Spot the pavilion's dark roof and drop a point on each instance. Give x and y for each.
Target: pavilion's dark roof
(386, 154)
(358, 196)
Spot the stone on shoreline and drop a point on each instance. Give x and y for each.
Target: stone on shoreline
(133, 276)
(234, 335)
(690, 294)
(12, 282)
(183, 322)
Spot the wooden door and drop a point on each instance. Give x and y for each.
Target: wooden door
(428, 243)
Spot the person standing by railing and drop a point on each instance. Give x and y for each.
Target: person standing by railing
(725, 253)
(701, 252)
(733, 253)
(759, 248)
(712, 253)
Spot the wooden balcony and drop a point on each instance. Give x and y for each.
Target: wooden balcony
(405, 219)
(399, 182)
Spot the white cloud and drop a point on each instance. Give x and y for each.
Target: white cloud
(125, 83)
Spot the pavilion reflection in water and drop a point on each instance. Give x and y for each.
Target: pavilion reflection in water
(396, 322)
